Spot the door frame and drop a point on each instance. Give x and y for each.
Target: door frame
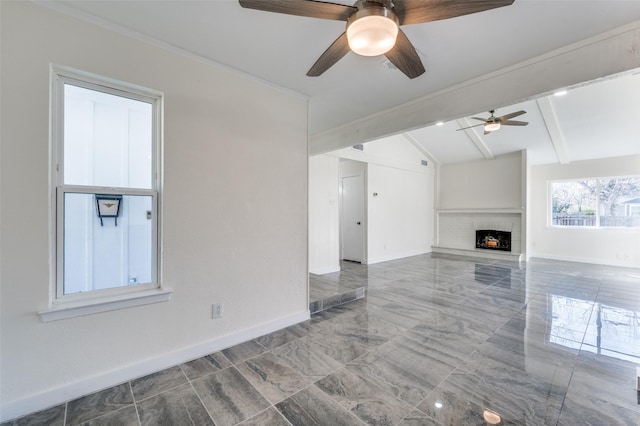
(362, 173)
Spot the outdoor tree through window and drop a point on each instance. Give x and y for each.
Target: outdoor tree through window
(608, 202)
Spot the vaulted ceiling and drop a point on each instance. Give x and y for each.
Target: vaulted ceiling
(596, 120)
(590, 121)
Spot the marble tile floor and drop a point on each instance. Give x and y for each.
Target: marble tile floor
(438, 340)
(334, 289)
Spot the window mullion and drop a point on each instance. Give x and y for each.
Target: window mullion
(59, 199)
(81, 189)
(598, 183)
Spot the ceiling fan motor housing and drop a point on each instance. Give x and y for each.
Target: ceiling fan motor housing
(373, 29)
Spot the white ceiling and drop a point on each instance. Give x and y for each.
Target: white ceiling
(597, 120)
(594, 121)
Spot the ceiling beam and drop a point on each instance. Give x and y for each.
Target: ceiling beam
(616, 51)
(413, 141)
(553, 127)
(477, 140)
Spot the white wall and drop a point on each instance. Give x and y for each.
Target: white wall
(486, 194)
(603, 246)
(400, 220)
(400, 217)
(481, 184)
(234, 212)
(324, 231)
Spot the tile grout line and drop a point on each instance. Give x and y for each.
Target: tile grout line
(271, 405)
(328, 396)
(459, 366)
(135, 404)
(108, 413)
(160, 393)
(196, 391)
(575, 364)
(263, 411)
(256, 389)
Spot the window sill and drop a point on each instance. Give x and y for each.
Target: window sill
(634, 229)
(64, 310)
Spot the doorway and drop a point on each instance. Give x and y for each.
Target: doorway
(352, 223)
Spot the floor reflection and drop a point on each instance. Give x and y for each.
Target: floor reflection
(334, 289)
(491, 274)
(609, 330)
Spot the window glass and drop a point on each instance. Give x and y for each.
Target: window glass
(618, 197)
(107, 139)
(574, 203)
(107, 252)
(610, 202)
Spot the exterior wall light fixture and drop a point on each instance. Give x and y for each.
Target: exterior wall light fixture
(108, 206)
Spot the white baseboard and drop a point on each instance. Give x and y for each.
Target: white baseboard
(325, 269)
(394, 256)
(71, 391)
(595, 261)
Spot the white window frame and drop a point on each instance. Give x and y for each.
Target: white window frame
(63, 306)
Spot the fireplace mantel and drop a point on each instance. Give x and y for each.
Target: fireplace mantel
(486, 254)
(517, 210)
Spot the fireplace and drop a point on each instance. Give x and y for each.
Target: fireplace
(493, 240)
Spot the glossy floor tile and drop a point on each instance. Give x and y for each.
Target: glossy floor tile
(337, 288)
(438, 340)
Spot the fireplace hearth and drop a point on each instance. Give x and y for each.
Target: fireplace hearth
(493, 240)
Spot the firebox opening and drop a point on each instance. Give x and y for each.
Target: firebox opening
(493, 240)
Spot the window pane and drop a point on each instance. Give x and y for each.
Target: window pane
(107, 139)
(620, 202)
(106, 255)
(574, 203)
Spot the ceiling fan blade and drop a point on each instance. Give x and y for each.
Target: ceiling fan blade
(511, 115)
(333, 54)
(470, 127)
(478, 118)
(418, 11)
(310, 8)
(513, 123)
(404, 57)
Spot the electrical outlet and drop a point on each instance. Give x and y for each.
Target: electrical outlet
(216, 310)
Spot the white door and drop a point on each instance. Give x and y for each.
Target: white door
(352, 222)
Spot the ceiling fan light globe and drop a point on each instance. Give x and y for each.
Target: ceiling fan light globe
(492, 127)
(372, 31)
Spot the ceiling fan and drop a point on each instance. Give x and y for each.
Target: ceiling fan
(373, 26)
(493, 123)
